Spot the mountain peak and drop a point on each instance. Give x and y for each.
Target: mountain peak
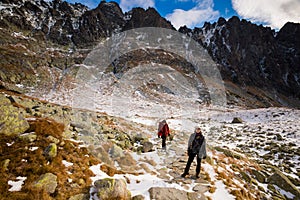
(139, 17)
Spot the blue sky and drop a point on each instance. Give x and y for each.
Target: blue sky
(193, 13)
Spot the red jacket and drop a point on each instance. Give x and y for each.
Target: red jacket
(164, 131)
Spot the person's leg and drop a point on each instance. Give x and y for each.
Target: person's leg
(198, 168)
(188, 165)
(163, 145)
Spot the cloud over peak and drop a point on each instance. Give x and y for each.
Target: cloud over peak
(274, 13)
(196, 16)
(127, 5)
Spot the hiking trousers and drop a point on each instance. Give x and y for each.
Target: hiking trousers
(163, 145)
(189, 162)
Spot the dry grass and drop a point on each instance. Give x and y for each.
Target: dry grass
(234, 181)
(212, 189)
(32, 164)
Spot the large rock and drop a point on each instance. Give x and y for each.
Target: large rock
(159, 193)
(259, 176)
(28, 137)
(147, 147)
(138, 197)
(284, 183)
(237, 120)
(109, 189)
(51, 151)
(201, 188)
(110, 170)
(11, 121)
(116, 151)
(80, 197)
(102, 154)
(47, 182)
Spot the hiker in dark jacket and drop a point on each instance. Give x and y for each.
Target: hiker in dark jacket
(196, 147)
(163, 132)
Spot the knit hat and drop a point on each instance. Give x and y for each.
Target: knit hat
(197, 128)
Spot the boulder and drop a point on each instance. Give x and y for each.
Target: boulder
(11, 120)
(110, 170)
(147, 147)
(138, 197)
(229, 153)
(108, 188)
(47, 182)
(80, 197)
(51, 151)
(53, 139)
(237, 120)
(163, 193)
(102, 154)
(127, 163)
(116, 151)
(280, 180)
(260, 177)
(201, 188)
(138, 138)
(28, 137)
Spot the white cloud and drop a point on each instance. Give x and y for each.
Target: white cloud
(196, 16)
(127, 5)
(274, 13)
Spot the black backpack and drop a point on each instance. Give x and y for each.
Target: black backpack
(196, 144)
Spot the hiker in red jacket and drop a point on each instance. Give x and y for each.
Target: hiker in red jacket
(163, 132)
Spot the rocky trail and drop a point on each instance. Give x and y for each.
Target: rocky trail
(245, 155)
(256, 157)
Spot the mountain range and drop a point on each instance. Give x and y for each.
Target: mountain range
(255, 62)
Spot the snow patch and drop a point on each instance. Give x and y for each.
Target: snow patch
(221, 192)
(66, 163)
(2, 7)
(33, 148)
(16, 185)
(9, 144)
(285, 193)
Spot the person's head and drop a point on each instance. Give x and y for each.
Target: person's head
(164, 121)
(198, 129)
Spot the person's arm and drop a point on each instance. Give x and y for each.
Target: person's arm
(190, 141)
(202, 151)
(159, 134)
(167, 130)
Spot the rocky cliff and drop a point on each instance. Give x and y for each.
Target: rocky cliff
(65, 24)
(252, 55)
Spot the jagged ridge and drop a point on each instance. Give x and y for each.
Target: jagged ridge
(263, 62)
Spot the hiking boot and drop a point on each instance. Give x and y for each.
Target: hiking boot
(197, 176)
(184, 174)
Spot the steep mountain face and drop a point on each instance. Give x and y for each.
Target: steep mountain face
(251, 55)
(66, 24)
(53, 37)
(141, 18)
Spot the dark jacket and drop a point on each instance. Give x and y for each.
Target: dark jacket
(202, 150)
